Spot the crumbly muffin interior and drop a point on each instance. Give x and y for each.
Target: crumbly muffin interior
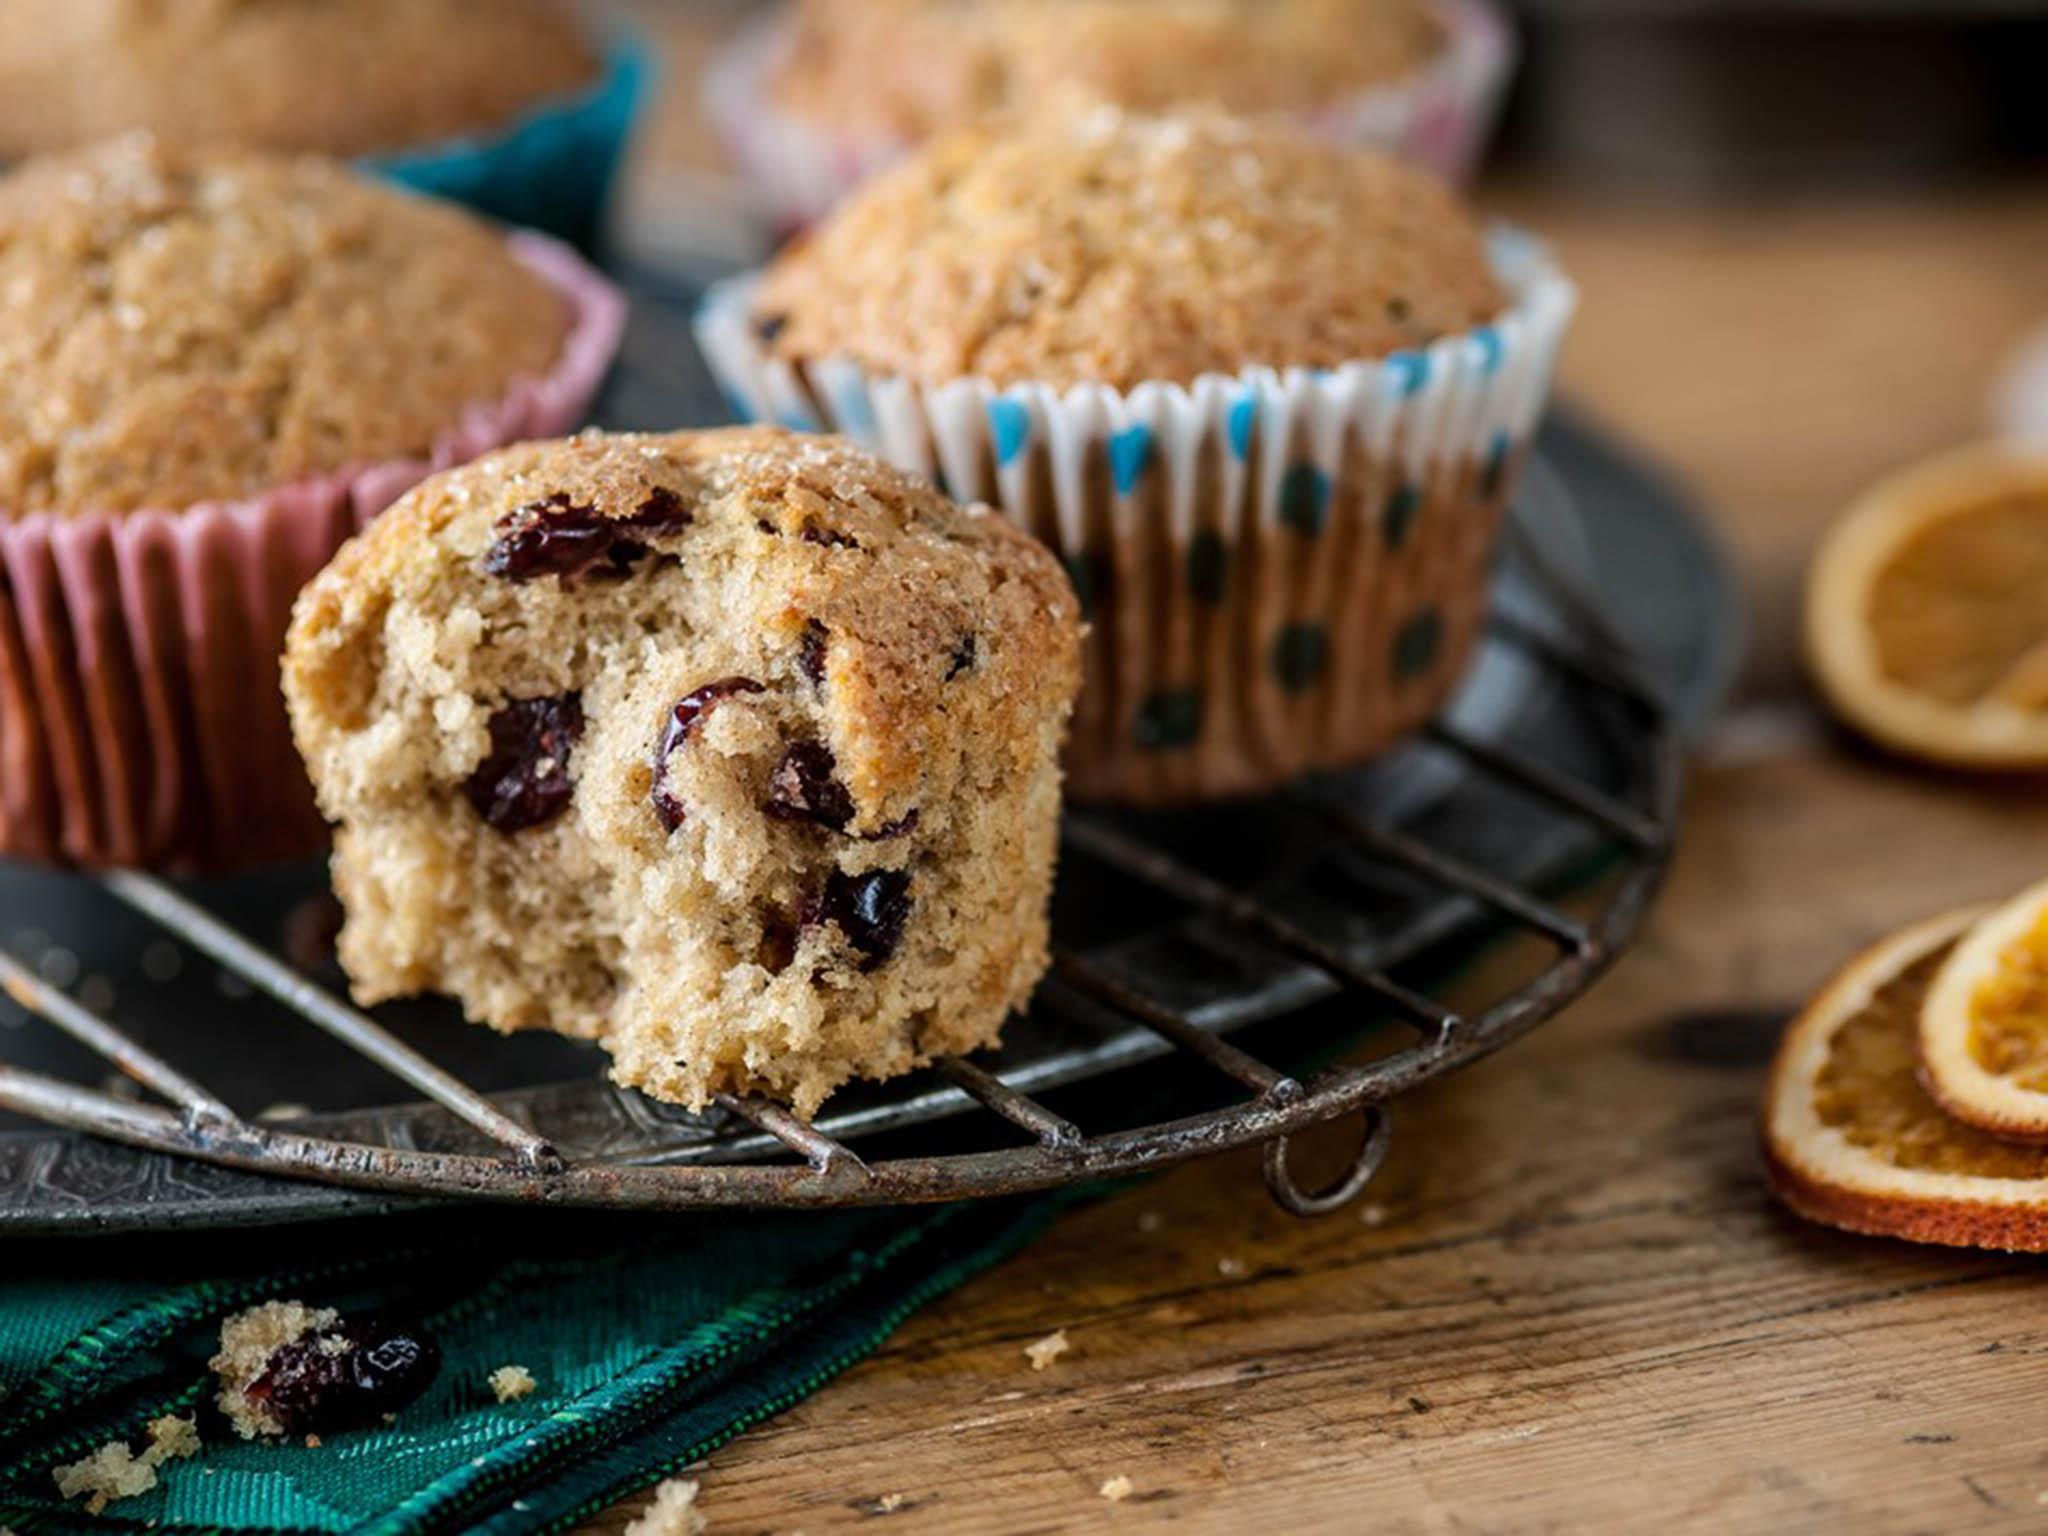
(338, 77)
(735, 751)
(1114, 248)
(183, 326)
(907, 68)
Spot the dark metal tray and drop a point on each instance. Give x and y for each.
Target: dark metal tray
(1172, 932)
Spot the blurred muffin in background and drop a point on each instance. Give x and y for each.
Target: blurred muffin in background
(836, 88)
(215, 366)
(1265, 395)
(911, 68)
(409, 82)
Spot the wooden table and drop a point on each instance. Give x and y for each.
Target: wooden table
(1569, 1304)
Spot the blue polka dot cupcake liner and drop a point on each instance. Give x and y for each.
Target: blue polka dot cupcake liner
(554, 169)
(795, 171)
(1283, 570)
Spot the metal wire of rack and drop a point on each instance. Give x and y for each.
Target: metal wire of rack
(514, 1161)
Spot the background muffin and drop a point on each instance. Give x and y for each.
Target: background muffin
(213, 364)
(911, 68)
(1265, 395)
(841, 87)
(738, 751)
(403, 80)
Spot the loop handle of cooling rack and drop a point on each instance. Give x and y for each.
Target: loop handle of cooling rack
(1365, 1164)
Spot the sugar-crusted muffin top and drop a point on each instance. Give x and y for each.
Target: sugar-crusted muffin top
(179, 326)
(337, 78)
(1116, 248)
(907, 68)
(814, 548)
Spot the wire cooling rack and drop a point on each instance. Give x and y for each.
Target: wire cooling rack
(1175, 937)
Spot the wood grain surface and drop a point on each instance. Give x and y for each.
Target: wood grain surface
(1568, 1305)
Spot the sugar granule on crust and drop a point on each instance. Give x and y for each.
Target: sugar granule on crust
(1117, 1489)
(1047, 1349)
(674, 1511)
(512, 1382)
(116, 1472)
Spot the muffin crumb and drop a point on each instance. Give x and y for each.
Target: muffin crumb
(512, 1382)
(248, 1340)
(1117, 1489)
(116, 1472)
(1047, 1349)
(674, 1512)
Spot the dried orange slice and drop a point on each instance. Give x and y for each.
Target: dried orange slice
(1984, 1026)
(1853, 1139)
(1927, 610)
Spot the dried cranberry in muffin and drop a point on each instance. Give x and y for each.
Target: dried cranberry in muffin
(772, 881)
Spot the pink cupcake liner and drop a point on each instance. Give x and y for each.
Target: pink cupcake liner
(140, 718)
(1441, 117)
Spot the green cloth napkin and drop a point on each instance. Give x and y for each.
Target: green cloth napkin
(653, 1342)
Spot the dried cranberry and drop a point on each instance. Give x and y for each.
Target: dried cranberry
(682, 721)
(525, 781)
(870, 910)
(566, 539)
(815, 532)
(810, 656)
(966, 654)
(803, 788)
(661, 511)
(347, 1377)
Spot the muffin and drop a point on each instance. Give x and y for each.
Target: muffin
(427, 86)
(214, 366)
(735, 751)
(1265, 395)
(835, 89)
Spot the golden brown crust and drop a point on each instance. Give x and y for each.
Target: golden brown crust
(183, 326)
(2011, 1229)
(1116, 248)
(904, 69)
(308, 75)
(675, 902)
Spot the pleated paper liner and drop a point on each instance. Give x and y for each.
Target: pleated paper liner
(140, 719)
(797, 170)
(1282, 571)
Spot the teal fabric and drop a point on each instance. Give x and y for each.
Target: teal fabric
(553, 170)
(650, 1351)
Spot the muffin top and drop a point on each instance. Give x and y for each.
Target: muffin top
(1116, 248)
(181, 326)
(903, 69)
(341, 77)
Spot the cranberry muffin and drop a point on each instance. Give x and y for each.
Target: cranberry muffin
(1265, 395)
(907, 69)
(214, 365)
(351, 78)
(831, 91)
(735, 751)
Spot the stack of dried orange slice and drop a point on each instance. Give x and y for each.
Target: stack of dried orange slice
(1910, 1099)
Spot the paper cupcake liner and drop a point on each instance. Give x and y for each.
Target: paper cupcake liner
(140, 716)
(797, 171)
(553, 170)
(1283, 571)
